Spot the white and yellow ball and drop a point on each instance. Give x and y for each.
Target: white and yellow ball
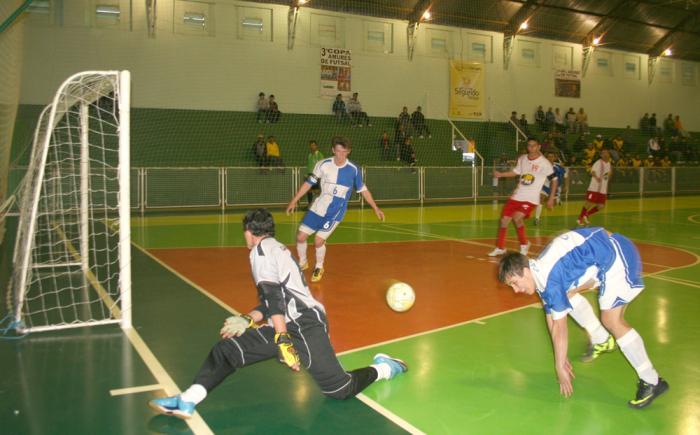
(400, 297)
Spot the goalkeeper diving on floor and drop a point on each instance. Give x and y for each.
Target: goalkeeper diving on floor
(295, 330)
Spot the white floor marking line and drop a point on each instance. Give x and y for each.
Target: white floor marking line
(134, 390)
(389, 415)
(675, 281)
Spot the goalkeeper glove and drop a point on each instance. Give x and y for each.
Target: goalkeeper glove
(235, 326)
(286, 352)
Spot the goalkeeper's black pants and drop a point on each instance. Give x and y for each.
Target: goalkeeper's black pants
(310, 337)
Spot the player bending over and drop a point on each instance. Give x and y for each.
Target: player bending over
(601, 173)
(533, 169)
(295, 330)
(577, 260)
(337, 176)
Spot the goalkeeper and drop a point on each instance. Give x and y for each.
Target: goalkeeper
(296, 330)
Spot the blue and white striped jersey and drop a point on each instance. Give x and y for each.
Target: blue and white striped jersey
(559, 173)
(569, 261)
(336, 184)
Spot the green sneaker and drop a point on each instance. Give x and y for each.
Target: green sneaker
(595, 350)
(646, 393)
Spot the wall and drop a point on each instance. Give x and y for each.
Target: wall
(213, 68)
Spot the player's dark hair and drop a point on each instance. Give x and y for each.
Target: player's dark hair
(533, 138)
(342, 141)
(259, 222)
(511, 264)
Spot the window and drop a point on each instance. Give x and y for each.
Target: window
(254, 24)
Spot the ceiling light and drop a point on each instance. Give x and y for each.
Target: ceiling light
(427, 16)
(524, 25)
(596, 41)
(668, 52)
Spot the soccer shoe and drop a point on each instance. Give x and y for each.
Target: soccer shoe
(304, 265)
(595, 350)
(397, 366)
(317, 274)
(646, 393)
(174, 406)
(585, 220)
(525, 248)
(579, 222)
(496, 252)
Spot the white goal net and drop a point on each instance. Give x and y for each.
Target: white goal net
(72, 252)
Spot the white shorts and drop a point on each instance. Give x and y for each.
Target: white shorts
(322, 232)
(623, 281)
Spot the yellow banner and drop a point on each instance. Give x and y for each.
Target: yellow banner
(466, 90)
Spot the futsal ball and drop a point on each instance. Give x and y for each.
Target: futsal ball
(400, 297)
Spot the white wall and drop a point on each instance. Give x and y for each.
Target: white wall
(213, 68)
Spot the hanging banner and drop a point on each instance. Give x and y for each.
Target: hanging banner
(466, 90)
(336, 65)
(567, 83)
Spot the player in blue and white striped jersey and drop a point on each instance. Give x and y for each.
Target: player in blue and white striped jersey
(337, 177)
(559, 174)
(575, 261)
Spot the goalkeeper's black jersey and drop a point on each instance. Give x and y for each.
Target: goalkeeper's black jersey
(273, 266)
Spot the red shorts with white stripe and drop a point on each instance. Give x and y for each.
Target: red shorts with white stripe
(513, 206)
(596, 197)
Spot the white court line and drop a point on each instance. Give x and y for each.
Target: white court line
(134, 390)
(390, 415)
(675, 281)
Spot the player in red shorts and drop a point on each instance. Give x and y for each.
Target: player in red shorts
(533, 169)
(597, 194)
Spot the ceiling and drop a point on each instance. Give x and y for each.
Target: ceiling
(641, 26)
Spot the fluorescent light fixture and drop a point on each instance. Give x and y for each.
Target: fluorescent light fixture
(40, 6)
(668, 52)
(108, 11)
(195, 18)
(596, 40)
(524, 25)
(252, 24)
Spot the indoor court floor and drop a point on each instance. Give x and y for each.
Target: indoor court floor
(480, 358)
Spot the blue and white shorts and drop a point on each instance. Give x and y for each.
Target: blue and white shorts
(623, 281)
(322, 226)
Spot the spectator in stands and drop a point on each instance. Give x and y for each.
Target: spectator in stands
(403, 120)
(644, 124)
(580, 144)
(260, 150)
(599, 143)
(665, 162)
(274, 111)
(420, 127)
(339, 109)
(669, 126)
(570, 121)
(358, 117)
(523, 124)
(573, 170)
(263, 106)
(678, 126)
(549, 120)
(649, 162)
(514, 117)
(274, 156)
(540, 118)
(589, 153)
(408, 154)
(558, 120)
(582, 122)
(636, 161)
(622, 161)
(399, 139)
(312, 158)
(385, 146)
(561, 144)
(652, 125)
(618, 144)
(653, 146)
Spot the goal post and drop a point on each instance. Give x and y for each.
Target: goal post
(72, 262)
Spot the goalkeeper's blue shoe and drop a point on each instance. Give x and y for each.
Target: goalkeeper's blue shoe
(397, 366)
(174, 406)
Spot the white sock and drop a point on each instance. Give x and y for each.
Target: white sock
(301, 252)
(383, 370)
(584, 315)
(320, 256)
(632, 347)
(538, 211)
(195, 394)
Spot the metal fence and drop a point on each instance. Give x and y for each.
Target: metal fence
(224, 187)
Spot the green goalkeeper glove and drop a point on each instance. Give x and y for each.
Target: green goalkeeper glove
(287, 354)
(235, 326)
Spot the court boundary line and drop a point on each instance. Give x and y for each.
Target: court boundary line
(403, 424)
(135, 390)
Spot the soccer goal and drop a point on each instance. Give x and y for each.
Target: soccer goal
(72, 251)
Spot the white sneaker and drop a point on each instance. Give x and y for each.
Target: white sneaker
(496, 252)
(525, 248)
(585, 219)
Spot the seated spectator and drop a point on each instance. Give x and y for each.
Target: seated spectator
(408, 154)
(358, 117)
(570, 120)
(580, 144)
(652, 125)
(260, 150)
(649, 162)
(403, 120)
(653, 146)
(385, 146)
(618, 143)
(678, 126)
(636, 161)
(665, 162)
(558, 120)
(599, 142)
(540, 118)
(274, 112)
(549, 120)
(274, 157)
(582, 122)
(420, 127)
(339, 109)
(644, 124)
(263, 106)
(590, 152)
(522, 122)
(621, 162)
(669, 126)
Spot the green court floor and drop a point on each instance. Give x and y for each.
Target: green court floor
(483, 376)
